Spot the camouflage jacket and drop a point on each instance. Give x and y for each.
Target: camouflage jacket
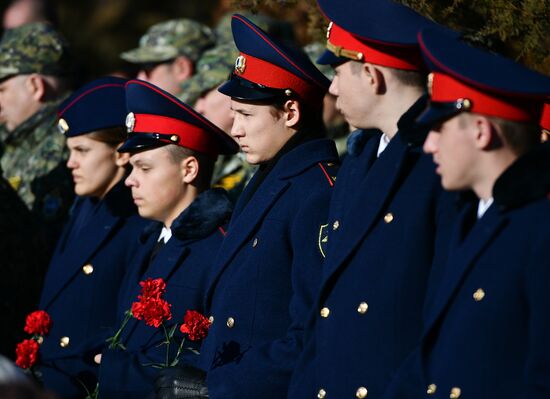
(33, 161)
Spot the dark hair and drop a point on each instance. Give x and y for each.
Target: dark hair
(520, 136)
(112, 136)
(206, 163)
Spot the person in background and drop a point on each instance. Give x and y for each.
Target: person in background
(168, 51)
(335, 123)
(21, 12)
(35, 70)
(93, 253)
(173, 150)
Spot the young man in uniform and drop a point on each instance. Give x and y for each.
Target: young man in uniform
(485, 333)
(268, 267)
(173, 151)
(384, 212)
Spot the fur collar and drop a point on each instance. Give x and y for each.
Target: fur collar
(526, 180)
(210, 210)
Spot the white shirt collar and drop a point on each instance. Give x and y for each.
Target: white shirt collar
(483, 206)
(165, 234)
(384, 141)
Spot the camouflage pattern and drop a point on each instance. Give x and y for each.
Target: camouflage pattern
(33, 162)
(167, 40)
(232, 173)
(211, 70)
(33, 48)
(314, 51)
(275, 28)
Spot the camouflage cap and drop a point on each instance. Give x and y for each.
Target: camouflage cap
(314, 51)
(169, 39)
(212, 69)
(33, 48)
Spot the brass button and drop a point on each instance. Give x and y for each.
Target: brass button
(325, 312)
(64, 342)
(88, 269)
(455, 393)
(335, 225)
(363, 307)
(230, 322)
(40, 340)
(255, 243)
(361, 392)
(211, 319)
(479, 295)
(321, 394)
(431, 389)
(388, 218)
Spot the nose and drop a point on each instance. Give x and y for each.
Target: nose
(431, 143)
(236, 129)
(130, 181)
(333, 89)
(71, 163)
(199, 105)
(142, 74)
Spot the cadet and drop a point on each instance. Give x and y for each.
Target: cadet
(267, 269)
(168, 51)
(173, 151)
(231, 172)
(93, 253)
(485, 333)
(34, 66)
(384, 210)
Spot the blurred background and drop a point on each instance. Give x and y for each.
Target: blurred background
(99, 30)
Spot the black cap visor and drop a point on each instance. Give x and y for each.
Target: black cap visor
(438, 112)
(141, 141)
(329, 58)
(242, 89)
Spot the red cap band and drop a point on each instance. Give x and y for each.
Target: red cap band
(545, 120)
(344, 44)
(262, 72)
(188, 135)
(521, 109)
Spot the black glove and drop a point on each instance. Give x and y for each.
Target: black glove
(181, 383)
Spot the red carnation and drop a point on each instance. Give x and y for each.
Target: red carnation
(153, 311)
(195, 325)
(152, 288)
(38, 322)
(27, 353)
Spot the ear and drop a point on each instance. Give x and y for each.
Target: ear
(36, 86)
(374, 78)
(189, 169)
(486, 136)
(122, 158)
(183, 68)
(292, 113)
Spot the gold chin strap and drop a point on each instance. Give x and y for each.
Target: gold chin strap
(339, 51)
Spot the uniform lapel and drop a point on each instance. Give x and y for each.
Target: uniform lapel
(101, 226)
(368, 202)
(462, 256)
(167, 260)
(247, 221)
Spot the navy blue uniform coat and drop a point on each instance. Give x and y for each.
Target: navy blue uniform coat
(81, 285)
(185, 263)
(266, 275)
(486, 332)
(383, 219)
